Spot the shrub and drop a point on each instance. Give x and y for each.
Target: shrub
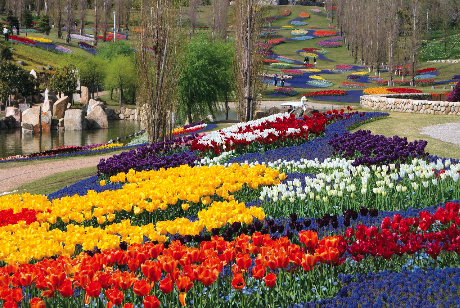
(455, 95)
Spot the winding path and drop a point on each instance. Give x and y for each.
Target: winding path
(14, 177)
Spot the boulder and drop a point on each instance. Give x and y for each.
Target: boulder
(74, 119)
(55, 124)
(9, 122)
(31, 120)
(97, 118)
(33, 73)
(84, 95)
(48, 106)
(45, 119)
(22, 63)
(60, 107)
(273, 110)
(110, 113)
(16, 113)
(259, 114)
(209, 118)
(2, 124)
(23, 107)
(298, 112)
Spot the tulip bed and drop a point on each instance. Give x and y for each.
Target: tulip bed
(277, 212)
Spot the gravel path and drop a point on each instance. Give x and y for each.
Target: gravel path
(14, 177)
(449, 132)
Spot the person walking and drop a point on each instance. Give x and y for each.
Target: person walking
(307, 60)
(314, 60)
(275, 79)
(6, 33)
(282, 81)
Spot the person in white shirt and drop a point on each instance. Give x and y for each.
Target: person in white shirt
(6, 33)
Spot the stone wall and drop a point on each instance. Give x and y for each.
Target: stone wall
(413, 103)
(122, 114)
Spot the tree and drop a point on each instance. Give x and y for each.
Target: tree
(6, 54)
(64, 81)
(92, 73)
(120, 78)
(110, 51)
(82, 4)
(13, 22)
(69, 19)
(247, 27)
(97, 14)
(27, 20)
(220, 18)
(44, 24)
(57, 16)
(17, 80)
(206, 76)
(157, 65)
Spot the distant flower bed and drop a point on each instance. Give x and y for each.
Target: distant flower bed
(352, 85)
(424, 82)
(320, 83)
(303, 14)
(292, 72)
(374, 91)
(326, 93)
(353, 77)
(276, 41)
(107, 38)
(82, 37)
(329, 44)
(63, 49)
(336, 38)
(38, 39)
(302, 38)
(426, 70)
(86, 46)
(314, 49)
(285, 59)
(323, 33)
(344, 67)
(299, 32)
(268, 61)
(190, 128)
(381, 82)
(286, 12)
(402, 82)
(286, 91)
(310, 70)
(308, 54)
(22, 40)
(375, 78)
(360, 73)
(456, 77)
(298, 23)
(317, 11)
(403, 90)
(280, 65)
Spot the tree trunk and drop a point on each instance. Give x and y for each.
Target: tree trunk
(121, 96)
(226, 106)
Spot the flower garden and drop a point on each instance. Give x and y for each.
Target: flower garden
(280, 212)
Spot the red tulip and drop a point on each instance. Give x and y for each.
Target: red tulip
(142, 287)
(238, 281)
(66, 289)
(166, 285)
(93, 289)
(258, 271)
(10, 305)
(270, 280)
(151, 270)
(115, 296)
(208, 276)
(128, 305)
(243, 260)
(151, 301)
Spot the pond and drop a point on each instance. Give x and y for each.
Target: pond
(14, 142)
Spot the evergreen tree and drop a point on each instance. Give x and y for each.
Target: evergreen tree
(44, 24)
(27, 20)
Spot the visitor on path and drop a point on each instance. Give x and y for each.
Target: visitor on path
(275, 79)
(314, 60)
(282, 81)
(6, 33)
(306, 60)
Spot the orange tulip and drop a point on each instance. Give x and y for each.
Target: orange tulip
(166, 285)
(133, 264)
(151, 301)
(258, 271)
(151, 270)
(328, 254)
(168, 264)
(329, 241)
(104, 278)
(309, 238)
(257, 239)
(142, 287)
(308, 262)
(270, 280)
(238, 281)
(208, 276)
(128, 305)
(26, 279)
(115, 296)
(37, 303)
(93, 289)
(56, 278)
(183, 284)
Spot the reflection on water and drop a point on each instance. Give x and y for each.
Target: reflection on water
(14, 142)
